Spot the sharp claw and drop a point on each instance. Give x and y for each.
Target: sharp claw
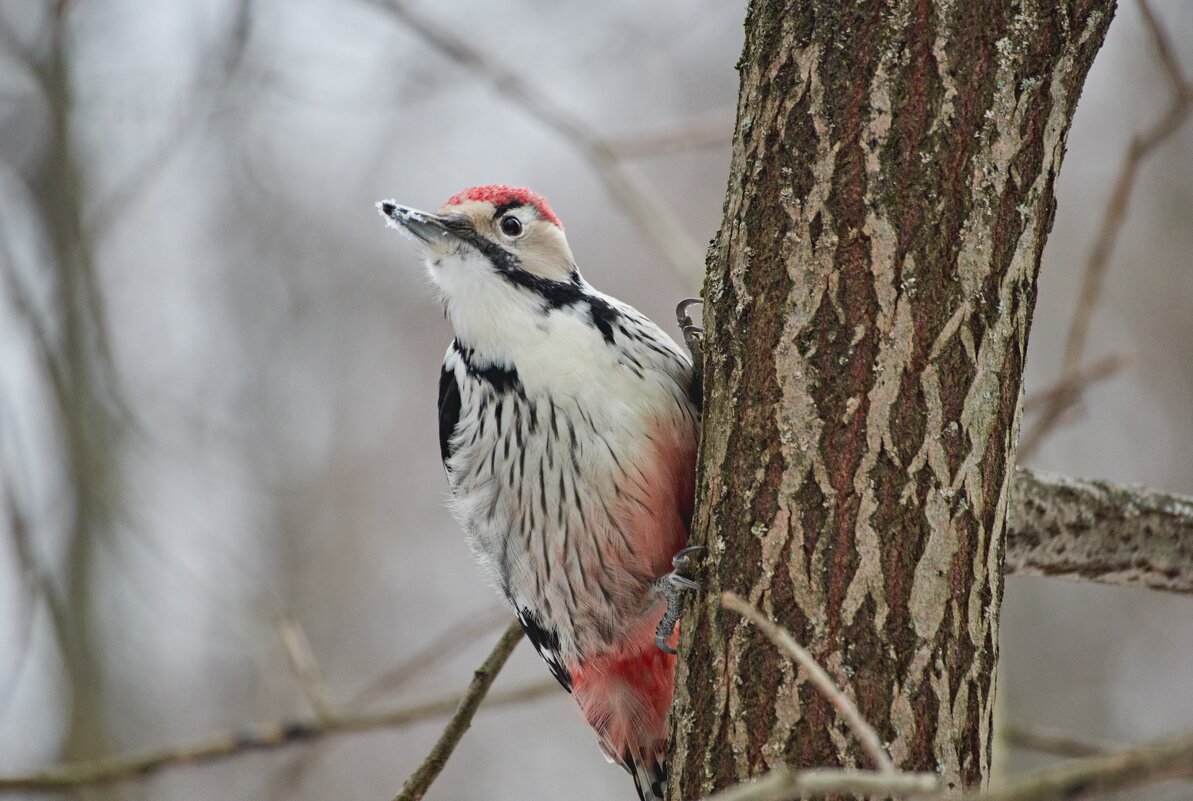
(684, 582)
(664, 647)
(682, 555)
(681, 311)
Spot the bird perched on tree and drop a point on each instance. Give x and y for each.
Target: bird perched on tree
(567, 426)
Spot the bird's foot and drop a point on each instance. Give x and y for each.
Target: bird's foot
(671, 585)
(693, 337)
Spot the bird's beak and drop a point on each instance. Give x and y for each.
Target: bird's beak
(431, 230)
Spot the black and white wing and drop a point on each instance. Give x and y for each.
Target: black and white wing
(449, 406)
(546, 642)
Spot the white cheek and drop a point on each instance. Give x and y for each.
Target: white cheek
(447, 270)
(459, 274)
(484, 307)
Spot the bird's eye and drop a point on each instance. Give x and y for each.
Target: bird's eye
(511, 226)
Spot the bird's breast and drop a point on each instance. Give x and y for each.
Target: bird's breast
(574, 482)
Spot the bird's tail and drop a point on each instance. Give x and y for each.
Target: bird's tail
(649, 771)
(625, 696)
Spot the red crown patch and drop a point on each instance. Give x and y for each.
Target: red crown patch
(499, 195)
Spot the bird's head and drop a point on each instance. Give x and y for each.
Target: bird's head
(489, 236)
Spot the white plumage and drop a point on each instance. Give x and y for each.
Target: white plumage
(568, 432)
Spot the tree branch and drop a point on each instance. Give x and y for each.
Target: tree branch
(416, 786)
(259, 737)
(1157, 761)
(711, 129)
(1045, 741)
(451, 641)
(1154, 762)
(781, 784)
(455, 638)
(306, 668)
(1098, 531)
(1078, 384)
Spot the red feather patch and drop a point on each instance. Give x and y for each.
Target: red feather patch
(499, 195)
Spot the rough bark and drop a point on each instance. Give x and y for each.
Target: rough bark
(1097, 531)
(869, 296)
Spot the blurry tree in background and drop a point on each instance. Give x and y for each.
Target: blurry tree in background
(221, 499)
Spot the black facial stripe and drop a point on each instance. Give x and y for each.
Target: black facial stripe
(502, 260)
(555, 294)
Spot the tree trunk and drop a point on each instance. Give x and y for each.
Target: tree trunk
(869, 297)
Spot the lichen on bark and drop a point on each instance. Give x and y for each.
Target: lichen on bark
(869, 296)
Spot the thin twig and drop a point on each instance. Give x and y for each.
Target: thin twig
(1157, 761)
(711, 129)
(454, 639)
(1078, 385)
(33, 581)
(640, 203)
(1033, 738)
(1142, 145)
(782, 784)
(305, 666)
(416, 786)
(259, 737)
(27, 55)
(1165, 54)
(191, 124)
(869, 739)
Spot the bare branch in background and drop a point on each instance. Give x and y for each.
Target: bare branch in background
(193, 122)
(713, 129)
(1139, 766)
(782, 639)
(416, 786)
(88, 414)
(1097, 531)
(33, 586)
(260, 737)
(26, 54)
(1034, 738)
(306, 667)
(454, 639)
(1079, 384)
(36, 583)
(637, 198)
(1142, 145)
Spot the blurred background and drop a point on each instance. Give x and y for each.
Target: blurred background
(221, 499)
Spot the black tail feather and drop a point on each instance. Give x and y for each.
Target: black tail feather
(649, 772)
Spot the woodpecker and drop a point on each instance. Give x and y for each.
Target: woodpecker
(567, 426)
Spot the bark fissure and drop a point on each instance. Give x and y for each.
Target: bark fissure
(869, 296)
